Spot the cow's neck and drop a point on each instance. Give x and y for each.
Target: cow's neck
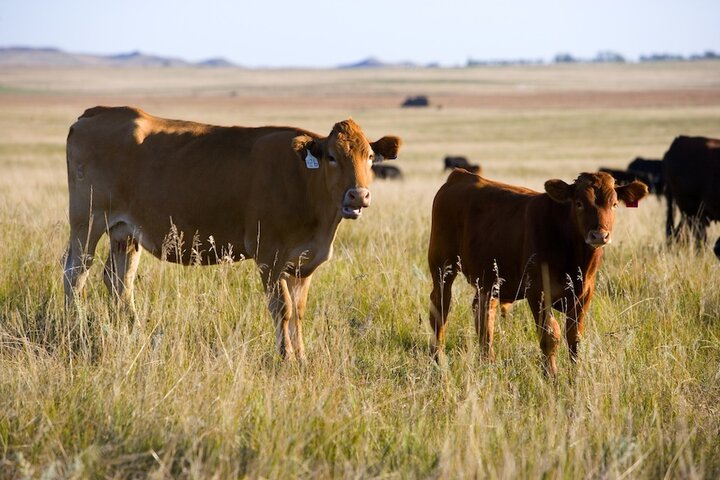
(588, 258)
(585, 257)
(327, 209)
(323, 214)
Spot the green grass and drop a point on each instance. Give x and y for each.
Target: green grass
(195, 389)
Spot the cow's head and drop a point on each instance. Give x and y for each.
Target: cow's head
(345, 158)
(593, 198)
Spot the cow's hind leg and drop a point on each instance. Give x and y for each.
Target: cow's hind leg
(298, 288)
(485, 309)
(79, 257)
(121, 266)
(440, 298)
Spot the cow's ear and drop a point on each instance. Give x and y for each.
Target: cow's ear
(631, 193)
(386, 148)
(302, 144)
(559, 191)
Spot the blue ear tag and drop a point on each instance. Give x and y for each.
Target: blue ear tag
(311, 161)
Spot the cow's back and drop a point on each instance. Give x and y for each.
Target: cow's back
(149, 172)
(483, 223)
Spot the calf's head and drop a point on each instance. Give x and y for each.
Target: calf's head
(344, 158)
(593, 198)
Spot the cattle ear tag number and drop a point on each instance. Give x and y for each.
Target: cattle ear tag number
(632, 204)
(311, 161)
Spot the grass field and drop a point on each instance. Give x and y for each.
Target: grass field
(195, 389)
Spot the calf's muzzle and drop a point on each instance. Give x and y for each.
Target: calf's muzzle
(598, 238)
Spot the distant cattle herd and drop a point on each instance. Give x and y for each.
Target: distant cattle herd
(688, 177)
(200, 194)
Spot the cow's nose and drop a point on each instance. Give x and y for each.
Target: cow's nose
(598, 237)
(358, 197)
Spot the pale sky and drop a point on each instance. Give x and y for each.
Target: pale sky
(325, 33)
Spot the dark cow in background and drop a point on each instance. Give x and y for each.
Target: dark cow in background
(387, 172)
(652, 171)
(461, 162)
(645, 170)
(512, 243)
(416, 101)
(692, 175)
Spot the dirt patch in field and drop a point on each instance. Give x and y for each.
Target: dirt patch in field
(522, 100)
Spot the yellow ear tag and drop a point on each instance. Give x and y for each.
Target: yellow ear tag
(311, 161)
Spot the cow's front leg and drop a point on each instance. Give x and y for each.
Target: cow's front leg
(575, 322)
(281, 307)
(298, 288)
(548, 331)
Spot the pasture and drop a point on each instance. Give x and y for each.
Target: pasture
(195, 389)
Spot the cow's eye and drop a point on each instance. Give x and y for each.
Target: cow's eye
(578, 204)
(332, 158)
(372, 157)
(615, 205)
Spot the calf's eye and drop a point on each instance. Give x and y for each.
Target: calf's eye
(578, 204)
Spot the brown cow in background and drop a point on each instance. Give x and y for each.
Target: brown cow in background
(512, 242)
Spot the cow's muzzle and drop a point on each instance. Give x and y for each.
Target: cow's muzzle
(355, 200)
(598, 238)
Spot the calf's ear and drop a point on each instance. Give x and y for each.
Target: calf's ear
(302, 144)
(386, 148)
(559, 191)
(632, 192)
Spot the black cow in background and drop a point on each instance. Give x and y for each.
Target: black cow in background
(692, 182)
(461, 162)
(650, 172)
(386, 172)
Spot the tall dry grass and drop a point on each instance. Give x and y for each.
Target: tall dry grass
(195, 389)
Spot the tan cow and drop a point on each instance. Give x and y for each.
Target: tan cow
(199, 194)
(512, 242)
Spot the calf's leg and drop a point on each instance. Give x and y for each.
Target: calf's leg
(548, 331)
(575, 320)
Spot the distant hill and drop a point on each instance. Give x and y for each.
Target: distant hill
(53, 57)
(373, 62)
